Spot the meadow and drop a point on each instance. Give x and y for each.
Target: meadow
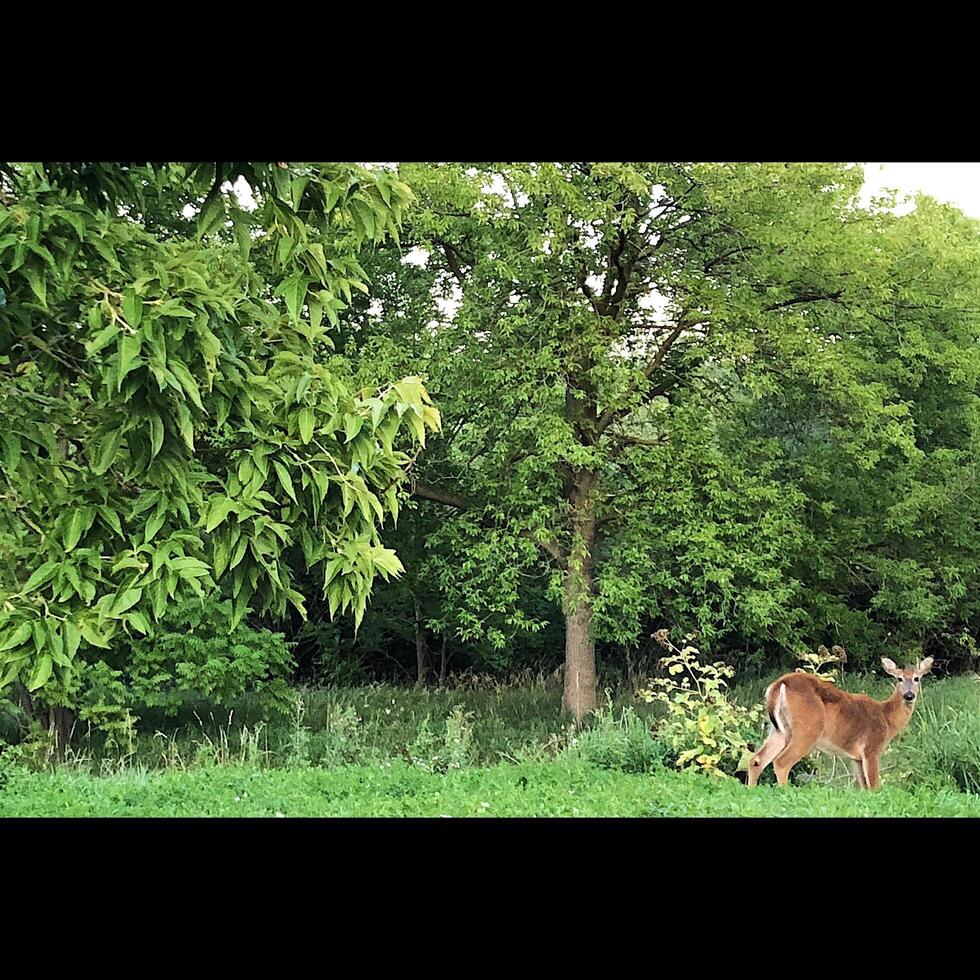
(479, 747)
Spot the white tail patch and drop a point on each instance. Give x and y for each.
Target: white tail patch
(781, 710)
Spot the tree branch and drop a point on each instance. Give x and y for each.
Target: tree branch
(805, 298)
(429, 492)
(611, 413)
(453, 256)
(636, 440)
(552, 547)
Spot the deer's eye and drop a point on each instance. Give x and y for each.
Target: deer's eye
(916, 679)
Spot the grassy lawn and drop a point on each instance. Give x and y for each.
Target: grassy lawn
(562, 789)
(495, 750)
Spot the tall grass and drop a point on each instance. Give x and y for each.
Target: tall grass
(479, 722)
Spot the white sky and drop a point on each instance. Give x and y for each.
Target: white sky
(955, 183)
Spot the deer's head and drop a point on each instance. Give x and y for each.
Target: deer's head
(908, 678)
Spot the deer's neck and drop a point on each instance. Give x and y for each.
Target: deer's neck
(897, 712)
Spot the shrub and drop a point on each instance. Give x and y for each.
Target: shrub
(824, 664)
(105, 705)
(705, 729)
(341, 740)
(198, 653)
(450, 749)
(619, 740)
(330, 664)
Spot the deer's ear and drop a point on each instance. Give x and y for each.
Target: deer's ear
(890, 667)
(925, 666)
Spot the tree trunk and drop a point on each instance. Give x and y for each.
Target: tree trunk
(59, 722)
(421, 648)
(442, 664)
(580, 673)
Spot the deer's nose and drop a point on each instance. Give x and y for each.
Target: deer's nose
(909, 695)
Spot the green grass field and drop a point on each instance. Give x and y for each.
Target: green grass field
(568, 789)
(475, 750)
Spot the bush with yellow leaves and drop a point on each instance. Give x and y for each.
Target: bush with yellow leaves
(704, 728)
(825, 664)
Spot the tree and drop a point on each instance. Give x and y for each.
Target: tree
(894, 556)
(616, 324)
(175, 421)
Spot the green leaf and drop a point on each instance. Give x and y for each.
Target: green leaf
(156, 435)
(294, 292)
(111, 518)
(106, 453)
(185, 424)
(159, 598)
(93, 636)
(38, 283)
(12, 672)
(103, 338)
(242, 229)
(20, 636)
(73, 637)
(285, 479)
(187, 382)
(391, 497)
(211, 349)
(417, 427)
(296, 599)
(41, 673)
(173, 307)
(320, 260)
(220, 508)
(154, 524)
(81, 521)
(387, 561)
(71, 573)
(57, 647)
(306, 420)
(352, 425)
(41, 575)
(129, 353)
(126, 600)
(211, 214)
(296, 188)
(138, 621)
(12, 450)
(132, 307)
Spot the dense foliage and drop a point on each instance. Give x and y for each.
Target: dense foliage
(722, 397)
(176, 422)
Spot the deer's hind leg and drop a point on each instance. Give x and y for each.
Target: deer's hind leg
(807, 721)
(799, 746)
(858, 767)
(772, 746)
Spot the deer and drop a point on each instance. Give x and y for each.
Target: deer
(807, 712)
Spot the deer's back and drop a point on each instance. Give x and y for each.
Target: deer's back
(845, 719)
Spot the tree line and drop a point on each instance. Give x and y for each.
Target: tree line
(484, 411)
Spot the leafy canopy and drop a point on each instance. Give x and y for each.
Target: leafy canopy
(176, 422)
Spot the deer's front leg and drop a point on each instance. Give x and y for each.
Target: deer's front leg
(870, 763)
